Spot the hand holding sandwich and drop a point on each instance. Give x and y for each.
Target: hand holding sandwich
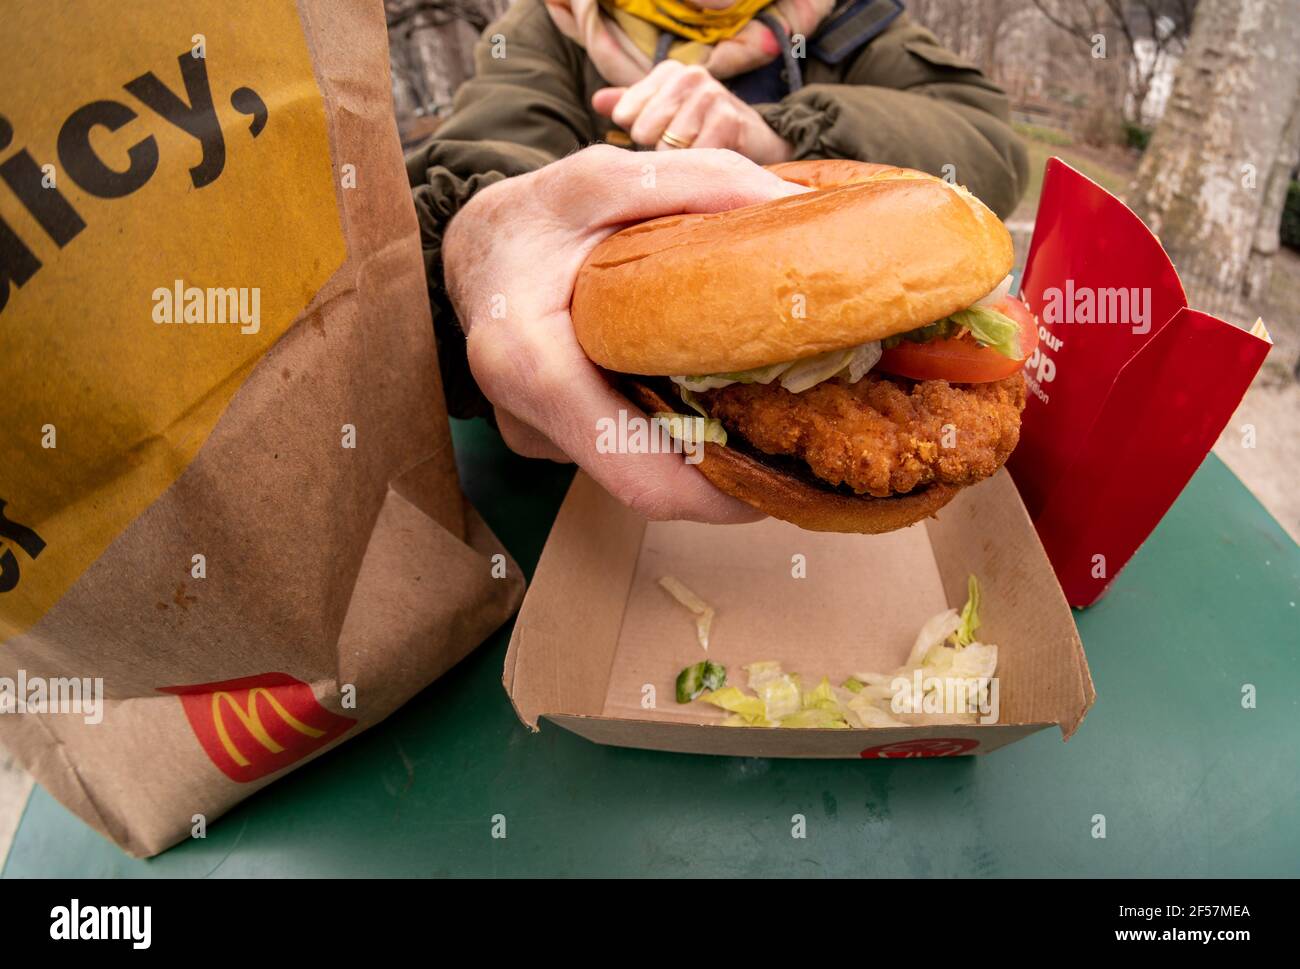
(511, 258)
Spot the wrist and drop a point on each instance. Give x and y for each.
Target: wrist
(465, 244)
(462, 249)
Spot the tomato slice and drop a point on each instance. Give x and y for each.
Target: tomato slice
(960, 359)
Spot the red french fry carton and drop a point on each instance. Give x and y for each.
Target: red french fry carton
(1128, 389)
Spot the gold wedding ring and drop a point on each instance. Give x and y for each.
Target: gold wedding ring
(672, 141)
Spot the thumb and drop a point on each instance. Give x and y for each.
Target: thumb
(615, 187)
(605, 100)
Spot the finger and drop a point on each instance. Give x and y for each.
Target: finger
(604, 100)
(651, 123)
(545, 379)
(638, 95)
(614, 187)
(526, 440)
(660, 487)
(689, 119)
(721, 128)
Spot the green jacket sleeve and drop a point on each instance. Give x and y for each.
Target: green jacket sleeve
(906, 100)
(523, 109)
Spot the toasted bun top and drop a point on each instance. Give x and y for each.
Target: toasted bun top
(870, 252)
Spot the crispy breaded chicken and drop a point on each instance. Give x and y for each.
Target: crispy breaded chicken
(883, 435)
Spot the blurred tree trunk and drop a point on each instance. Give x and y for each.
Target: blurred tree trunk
(974, 30)
(1268, 237)
(1208, 185)
(1158, 27)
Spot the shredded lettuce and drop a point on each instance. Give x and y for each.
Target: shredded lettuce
(973, 661)
(693, 430)
(685, 428)
(699, 677)
(690, 400)
(759, 375)
(991, 328)
(732, 700)
(780, 697)
(760, 673)
(796, 376)
(945, 649)
(988, 326)
(970, 613)
(862, 359)
(810, 371)
(702, 610)
(936, 629)
(822, 697)
(690, 683)
(869, 714)
(815, 717)
(938, 330)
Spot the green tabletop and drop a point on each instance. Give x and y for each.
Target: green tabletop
(1188, 781)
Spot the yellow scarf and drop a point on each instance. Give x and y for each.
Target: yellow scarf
(620, 36)
(687, 20)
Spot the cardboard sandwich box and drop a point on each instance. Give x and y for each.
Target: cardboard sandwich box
(598, 643)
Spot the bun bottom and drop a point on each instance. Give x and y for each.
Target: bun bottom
(794, 498)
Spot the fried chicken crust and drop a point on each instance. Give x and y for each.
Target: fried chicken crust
(883, 435)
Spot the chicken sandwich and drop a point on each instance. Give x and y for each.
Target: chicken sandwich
(854, 346)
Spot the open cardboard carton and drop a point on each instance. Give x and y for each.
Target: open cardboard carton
(598, 643)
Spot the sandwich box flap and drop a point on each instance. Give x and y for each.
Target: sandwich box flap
(1128, 389)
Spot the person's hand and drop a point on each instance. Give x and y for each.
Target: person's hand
(511, 257)
(690, 108)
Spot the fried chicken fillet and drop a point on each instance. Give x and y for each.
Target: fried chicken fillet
(881, 436)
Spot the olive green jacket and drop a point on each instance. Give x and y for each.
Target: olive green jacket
(902, 100)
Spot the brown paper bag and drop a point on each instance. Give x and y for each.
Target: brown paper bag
(229, 499)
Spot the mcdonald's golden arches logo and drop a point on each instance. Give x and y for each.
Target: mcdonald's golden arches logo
(257, 725)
